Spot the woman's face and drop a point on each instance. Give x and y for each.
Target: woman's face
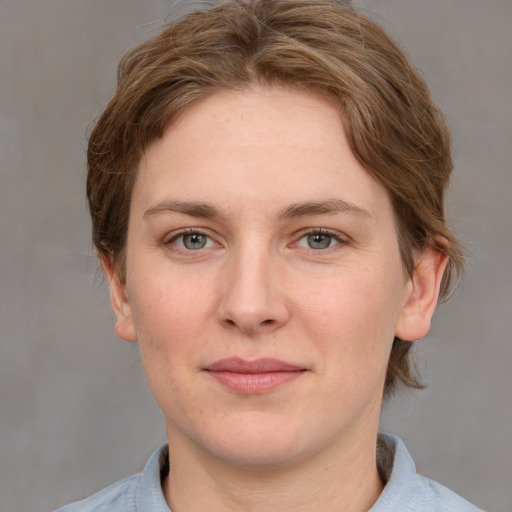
(264, 281)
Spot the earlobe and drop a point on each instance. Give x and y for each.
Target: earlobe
(125, 327)
(422, 295)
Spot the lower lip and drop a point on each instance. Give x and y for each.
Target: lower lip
(255, 383)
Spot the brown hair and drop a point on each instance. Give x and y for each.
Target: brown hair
(395, 131)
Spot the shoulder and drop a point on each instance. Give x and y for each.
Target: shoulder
(117, 497)
(407, 491)
(139, 492)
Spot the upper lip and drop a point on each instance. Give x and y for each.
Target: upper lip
(264, 365)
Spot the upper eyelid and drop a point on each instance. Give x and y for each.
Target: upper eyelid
(341, 237)
(172, 241)
(185, 231)
(323, 231)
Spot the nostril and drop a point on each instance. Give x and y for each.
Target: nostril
(233, 323)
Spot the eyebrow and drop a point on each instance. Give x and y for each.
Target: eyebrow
(327, 207)
(292, 211)
(192, 208)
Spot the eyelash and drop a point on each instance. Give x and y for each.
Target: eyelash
(322, 231)
(184, 232)
(318, 231)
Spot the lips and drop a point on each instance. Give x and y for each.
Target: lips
(253, 377)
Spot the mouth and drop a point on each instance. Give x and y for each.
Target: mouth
(253, 377)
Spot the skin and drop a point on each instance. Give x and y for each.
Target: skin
(270, 174)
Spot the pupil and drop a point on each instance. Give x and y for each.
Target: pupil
(319, 241)
(194, 241)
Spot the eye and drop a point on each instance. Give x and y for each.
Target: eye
(192, 241)
(319, 240)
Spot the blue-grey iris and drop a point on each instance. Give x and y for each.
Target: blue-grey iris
(319, 241)
(194, 241)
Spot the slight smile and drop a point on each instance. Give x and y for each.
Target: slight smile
(253, 377)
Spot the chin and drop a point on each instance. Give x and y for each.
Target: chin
(259, 455)
(256, 443)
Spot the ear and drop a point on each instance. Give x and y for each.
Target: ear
(422, 295)
(125, 327)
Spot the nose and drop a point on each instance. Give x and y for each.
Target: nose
(253, 300)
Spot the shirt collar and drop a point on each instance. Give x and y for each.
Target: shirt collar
(396, 467)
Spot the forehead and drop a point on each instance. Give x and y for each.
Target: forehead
(266, 145)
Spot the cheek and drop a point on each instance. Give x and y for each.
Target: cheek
(170, 321)
(167, 308)
(171, 318)
(352, 318)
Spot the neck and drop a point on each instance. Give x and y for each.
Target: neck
(340, 478)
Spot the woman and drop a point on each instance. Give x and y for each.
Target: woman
(266, 189)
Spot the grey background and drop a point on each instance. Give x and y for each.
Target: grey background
(75, 413)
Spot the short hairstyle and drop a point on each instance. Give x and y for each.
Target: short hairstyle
(394, 129)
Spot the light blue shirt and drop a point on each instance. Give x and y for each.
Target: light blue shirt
(405, 490)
